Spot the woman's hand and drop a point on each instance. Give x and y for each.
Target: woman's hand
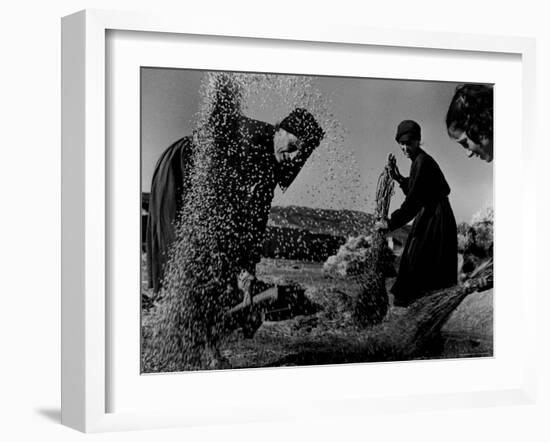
(393, 169)
(245, 281)
(381, 225)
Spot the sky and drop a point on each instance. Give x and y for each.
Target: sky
(360, 116)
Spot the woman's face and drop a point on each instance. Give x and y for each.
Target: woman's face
(286, 146)
(483, 149)
(410, 148)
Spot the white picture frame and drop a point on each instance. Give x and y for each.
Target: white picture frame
(85, 211)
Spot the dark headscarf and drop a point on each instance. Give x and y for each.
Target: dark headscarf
(407, 130)
(303, 125)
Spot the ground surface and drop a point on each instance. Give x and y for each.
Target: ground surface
(327, 330)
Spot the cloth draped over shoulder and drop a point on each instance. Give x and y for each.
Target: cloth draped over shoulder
(258, 176)
(168, 188)
(429, 258)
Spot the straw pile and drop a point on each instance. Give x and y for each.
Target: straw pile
(408, 335)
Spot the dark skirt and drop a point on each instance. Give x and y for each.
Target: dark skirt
(168, 188)
(429, 259)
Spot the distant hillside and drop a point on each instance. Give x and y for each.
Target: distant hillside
(307, 234)
(320, 232)
(327, 221)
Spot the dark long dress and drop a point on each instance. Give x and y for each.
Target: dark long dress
(429, 259)
(258, 177)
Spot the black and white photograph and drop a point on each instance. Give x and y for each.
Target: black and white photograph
(291, 220)
(244, 221)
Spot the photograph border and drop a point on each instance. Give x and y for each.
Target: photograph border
(85, 204)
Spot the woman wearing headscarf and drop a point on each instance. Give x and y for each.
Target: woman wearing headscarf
(270, 156)
(429, 258)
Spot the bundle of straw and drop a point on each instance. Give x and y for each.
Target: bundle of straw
(384, 190)
(371, 304)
